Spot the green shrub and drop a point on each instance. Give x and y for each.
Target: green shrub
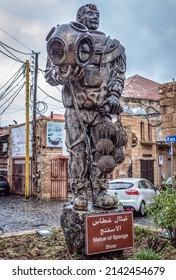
(142, 231)
(146, 254)
(162, 212)
(156, 243)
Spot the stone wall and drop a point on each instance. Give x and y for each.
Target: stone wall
(4, 154)
(136, 149)
(167, 93)
(44, 156)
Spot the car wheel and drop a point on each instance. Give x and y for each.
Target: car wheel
(141, 211)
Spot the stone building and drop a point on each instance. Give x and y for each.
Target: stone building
(4, 139)
(167, 93)
(141, 93)
(146, 152)
(143, 152)
(48, 172)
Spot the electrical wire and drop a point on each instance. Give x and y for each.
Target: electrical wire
(12, 99)
(16, 73)
(18, 60)
(44, 109)
(6, 47)
(18, 90)
(10, 85)
(49, 95)
(15, 39)
(15, 77)
(14, 56)
(3, 44)
(11, 89)
(43, 72)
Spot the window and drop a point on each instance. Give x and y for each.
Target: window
(141, 185)
(120, 186)
(142, 131)
(3, 149)
(149, 185)
(149, 132)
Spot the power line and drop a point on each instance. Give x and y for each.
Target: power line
(12, 77)
(15, 39)
(12, 99)
(17, 90)
(9, 91)
(3, 44)
(9, 52)
(43, 72)
(16, 59)
(12, 55)
(49, 95)
(15, 78)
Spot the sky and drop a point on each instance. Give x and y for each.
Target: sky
(147, 30)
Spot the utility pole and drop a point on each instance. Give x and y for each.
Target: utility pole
(27, 133)
(172, 166)
(34, 147)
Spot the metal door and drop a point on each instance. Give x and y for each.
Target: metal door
(147, 170)
(18, 177)
(59, 177)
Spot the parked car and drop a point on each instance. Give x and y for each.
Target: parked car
(133, 193)
(4, 185)
(168, 182)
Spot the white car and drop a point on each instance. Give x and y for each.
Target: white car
(133, 193)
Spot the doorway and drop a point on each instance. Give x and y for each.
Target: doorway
(147, 170)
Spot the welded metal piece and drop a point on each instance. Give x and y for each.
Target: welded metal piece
(91, 67)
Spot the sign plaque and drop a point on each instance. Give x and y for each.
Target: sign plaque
(109, 232)
(170, 139)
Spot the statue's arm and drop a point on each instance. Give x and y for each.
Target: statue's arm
(117, 76)
(115, 87)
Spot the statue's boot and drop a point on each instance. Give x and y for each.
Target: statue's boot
(80, 200)
(101, 198)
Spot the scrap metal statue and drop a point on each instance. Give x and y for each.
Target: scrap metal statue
(91, 67)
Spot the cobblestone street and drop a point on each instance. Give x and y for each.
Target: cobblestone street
(20, 214)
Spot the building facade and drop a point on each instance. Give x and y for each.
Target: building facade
(167, 93)
(48, 168)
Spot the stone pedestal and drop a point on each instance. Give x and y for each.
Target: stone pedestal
(73, 223)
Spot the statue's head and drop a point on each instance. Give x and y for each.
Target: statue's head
(89, 16)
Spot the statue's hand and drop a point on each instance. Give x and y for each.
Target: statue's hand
(110, 106)
(116, 87)
(50, 77)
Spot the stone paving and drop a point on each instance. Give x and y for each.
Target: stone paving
(20, 214)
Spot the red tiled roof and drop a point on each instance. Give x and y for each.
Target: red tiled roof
(54, 116)
(58, 116)
(141, 88)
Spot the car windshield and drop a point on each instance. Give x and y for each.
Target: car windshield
(120, 186)
(169, 180)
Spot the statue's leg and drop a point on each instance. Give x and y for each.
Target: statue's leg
(78, 171)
